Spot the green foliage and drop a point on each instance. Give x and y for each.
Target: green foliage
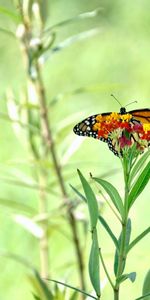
(138, 166)
(146, 286)
(109, 231)
(113, 194)
(94, 267)
(91, 201)
(131, 276)
(139, 185)
(138, 238)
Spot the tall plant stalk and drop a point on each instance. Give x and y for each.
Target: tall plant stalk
(36, 88)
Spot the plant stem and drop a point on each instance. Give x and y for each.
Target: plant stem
(44, 247)
(105, 269)
(122, 251)
(36, 87)
(47, 138)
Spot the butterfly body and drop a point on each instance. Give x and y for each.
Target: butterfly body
(97, 126)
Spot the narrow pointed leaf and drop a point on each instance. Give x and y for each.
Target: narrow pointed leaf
(116, 257)
(36, 297)
(146, 286)
(131, 276)
(16, 205)
(94, 267)
(5, 11)
(46, 292)
(91, 201)
(138, 238)
(68, 42)
(109, 231)
(89, 14)
(113, 194)
(78, 193)
(139, 186)
(146, 297)
(72, 287)
(128, 233)
(137, 167)
(74, 296)
(42, 285)
(8, 32)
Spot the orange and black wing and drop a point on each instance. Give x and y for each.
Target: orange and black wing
(85, 127)
(141, 115)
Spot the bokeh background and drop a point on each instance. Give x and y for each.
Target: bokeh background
(78, 80)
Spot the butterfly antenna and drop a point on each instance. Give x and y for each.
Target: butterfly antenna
(131, 103)
(116, 99)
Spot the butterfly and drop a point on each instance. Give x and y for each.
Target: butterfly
(87, 127)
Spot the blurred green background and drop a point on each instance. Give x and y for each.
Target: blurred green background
(114, 60)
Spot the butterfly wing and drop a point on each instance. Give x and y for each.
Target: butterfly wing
(141, 115)
(85, 127)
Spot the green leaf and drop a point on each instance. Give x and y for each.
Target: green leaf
(138, 238)
(36, 297)
(74, 296)
(109, 231)
(131, 276)
(42, 287)
(94, 267)
(72, 287)
(146, 297)
(128, 234)
(146, 286)
(137, 167)
(46, 292)
(16, 205)
(78, 193)
(113, 194)
(89, 14)
(5, 11)
(68, 42)
(139, 186)
(8, 32)
(91, 201)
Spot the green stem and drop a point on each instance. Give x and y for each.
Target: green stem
(48, 140)
(105, 269)
(122, 251)
(36, 87)
(44, 247)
